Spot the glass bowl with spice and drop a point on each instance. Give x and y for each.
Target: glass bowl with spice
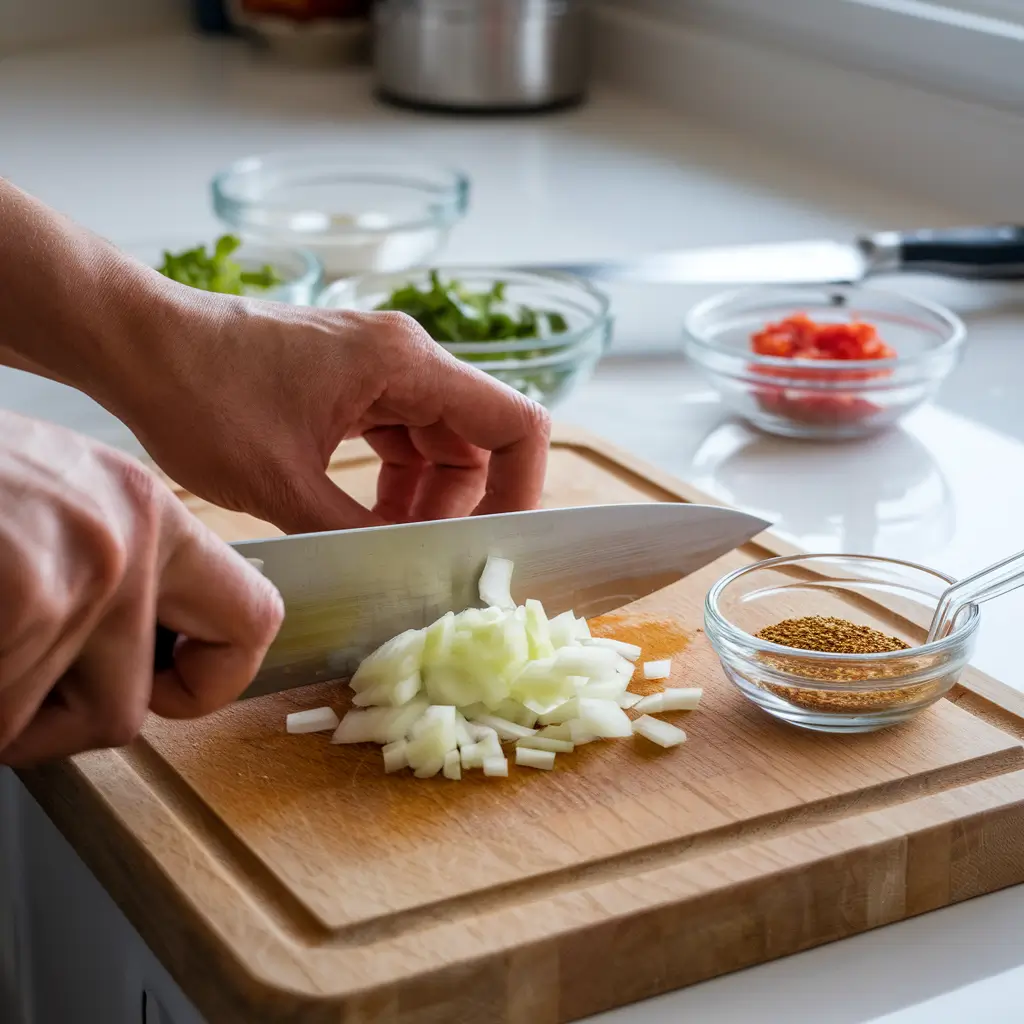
(823, 362)
(836, 643)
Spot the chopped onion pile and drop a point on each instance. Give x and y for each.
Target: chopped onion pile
(443, 700)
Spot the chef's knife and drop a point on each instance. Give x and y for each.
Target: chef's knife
(345, 593)
(980, 253)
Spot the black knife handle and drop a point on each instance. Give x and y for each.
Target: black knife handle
(163, 655)
(993, 253)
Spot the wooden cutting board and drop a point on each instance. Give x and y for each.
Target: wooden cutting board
(282, 879)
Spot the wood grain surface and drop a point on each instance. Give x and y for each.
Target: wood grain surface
(282, 879)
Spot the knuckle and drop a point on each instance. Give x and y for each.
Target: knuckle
(122, 725)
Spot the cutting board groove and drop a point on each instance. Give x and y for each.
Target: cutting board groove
(282, 879)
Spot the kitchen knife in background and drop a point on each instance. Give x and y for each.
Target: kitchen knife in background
(979, 253)
(346, 593)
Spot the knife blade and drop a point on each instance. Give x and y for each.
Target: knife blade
(982, 253)
(346, 593)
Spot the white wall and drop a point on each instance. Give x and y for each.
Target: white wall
(33, 24)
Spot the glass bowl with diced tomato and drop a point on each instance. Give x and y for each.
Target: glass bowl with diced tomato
(823, 362)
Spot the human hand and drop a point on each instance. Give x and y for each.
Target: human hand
(93, 551)
(244, 402)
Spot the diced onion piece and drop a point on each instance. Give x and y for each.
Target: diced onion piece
(432, 739)
(605, 719)
(538, 631)
(605, 689)
(582, 629)
(546, 743)
(359, 727)
(256, 563)
(429, 768)
(505, 729)
(496, 583)
(629, 651)
(496, 767)
(397, 723)
(650, 705)
(592, 662)
(563, 713)
(472, 756)
(681, 698)
(628, 700)
(393, 661)
(395, 757)
(556, 732)
(542, 686)
(529, 758)
(463, 737)
(658, 669)
(317, 720)
(452, 766)
(516, 712)
(581, 734)
(490, 745)
(563, 630)
(664, 734)
(395, 693)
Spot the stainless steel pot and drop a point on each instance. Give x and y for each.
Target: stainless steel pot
(481, 55)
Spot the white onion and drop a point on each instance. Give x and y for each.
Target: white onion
(658, 669)
(681, 699)
(546, 743)
(580, 734)
(563, 713)
(505, 729)
(452, 766)
(444, 699)
(496, 583)
(628, 651)
(317, 720)
(650, 705)
(662, 733)
(395, 758)
(528, 758)
(604, 719)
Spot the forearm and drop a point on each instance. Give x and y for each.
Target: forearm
(72, 308)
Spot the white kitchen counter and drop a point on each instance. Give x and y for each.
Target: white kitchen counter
(125, 140)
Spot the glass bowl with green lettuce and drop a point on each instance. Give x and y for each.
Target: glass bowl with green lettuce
(229, 266)
(540, 333)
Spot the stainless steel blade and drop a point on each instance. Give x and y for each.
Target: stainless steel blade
(346, 593)
(821, 262)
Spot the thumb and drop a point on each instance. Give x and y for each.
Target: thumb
(308, 501)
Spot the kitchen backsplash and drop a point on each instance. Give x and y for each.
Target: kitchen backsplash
(37, 24)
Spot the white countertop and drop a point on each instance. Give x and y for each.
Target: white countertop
(125, 140)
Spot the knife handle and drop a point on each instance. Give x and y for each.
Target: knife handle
(993, 253)
(163, 655)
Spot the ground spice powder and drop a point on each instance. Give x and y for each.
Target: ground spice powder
(839, 636)
(836, 636)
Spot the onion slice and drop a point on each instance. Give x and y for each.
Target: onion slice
(528, 758)
(317, 720)
(496, 767)
(681, 699)
(658, 669)
(662, 733)
(496, 583)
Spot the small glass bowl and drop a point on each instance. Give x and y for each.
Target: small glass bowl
(358, 212)
(823, 399)
(300, 271)
(844, 693)
(544, 369)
